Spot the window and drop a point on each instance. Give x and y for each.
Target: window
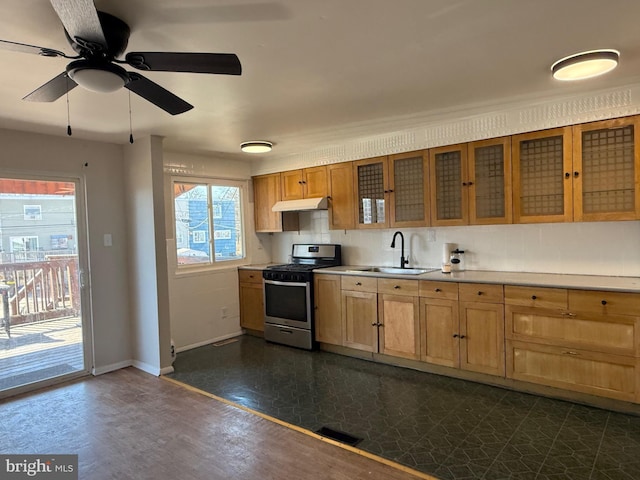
(32, 212)
(208, 219)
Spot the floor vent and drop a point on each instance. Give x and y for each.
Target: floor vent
(339, 436)
(225, 342)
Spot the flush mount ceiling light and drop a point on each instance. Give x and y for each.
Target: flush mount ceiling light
(98, 77)
(256, 146)
(585, 65)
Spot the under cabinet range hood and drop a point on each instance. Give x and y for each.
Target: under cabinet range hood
(318, 203)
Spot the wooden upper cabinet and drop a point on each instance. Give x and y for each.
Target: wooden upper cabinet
(542, 172)
(606, 170)
(266, 192)
(489, 182)
(304, 183)
(449, 192)
(371, 179)
(340, 193)
(408, 189)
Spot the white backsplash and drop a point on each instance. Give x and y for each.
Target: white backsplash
(589, 248)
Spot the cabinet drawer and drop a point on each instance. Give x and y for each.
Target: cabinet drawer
(536, 297)
(617, 334)
(607, 375)
(398, 287)
(250, 276)
(480, 292)
(448, 290)
(359, 284)
(604, 302)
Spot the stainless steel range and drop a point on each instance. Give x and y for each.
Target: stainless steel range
(288, 294)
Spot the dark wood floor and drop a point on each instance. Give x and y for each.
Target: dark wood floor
(130, 425)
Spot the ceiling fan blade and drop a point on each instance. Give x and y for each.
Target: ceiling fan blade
(24, 48)
(220, 63)
(80, 20)
(157, 95)
(52, 90)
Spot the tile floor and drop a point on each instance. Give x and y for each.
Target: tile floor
(449, 428)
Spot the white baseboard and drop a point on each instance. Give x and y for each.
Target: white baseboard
(208, 342)
(145, 367)
(111, 368)
(166, 370)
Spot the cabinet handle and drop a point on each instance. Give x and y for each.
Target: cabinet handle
(604, 302)
(533, 297)
(455, 335)
(479, 292)
(464, 184)
(250, 276)
(568, 352)
(374, 324)
(329, 197)
(299, 182)
(437, 290)
(567, 175)
(462, 336)
(576, 174)
(358, 283)
(397, 287)
(470, 183)
(568, 314)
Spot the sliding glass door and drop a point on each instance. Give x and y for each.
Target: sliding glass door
(42, 332)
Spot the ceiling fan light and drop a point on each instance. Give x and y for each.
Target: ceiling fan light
(256, 146)
(101, 78)
(585, 65)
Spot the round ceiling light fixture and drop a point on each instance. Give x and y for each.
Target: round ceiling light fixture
(98, 77)
(256, 146)
(585, 65)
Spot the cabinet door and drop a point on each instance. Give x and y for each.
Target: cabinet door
(360, 320)
(408, 188)
(341, 195)
(266, 192)
(292, 185)
(482, 337)
(314, 181)
(542, 172)
(252, 306)
(613, 376)
(399, 331)
(606, 172)
(439, 331)
(371, 186)
(328, 308)
(449, 192)
(489, 182)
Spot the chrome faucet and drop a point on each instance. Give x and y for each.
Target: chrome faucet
(403, 261)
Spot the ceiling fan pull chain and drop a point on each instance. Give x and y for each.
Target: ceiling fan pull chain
(130, 127)
(68, 114)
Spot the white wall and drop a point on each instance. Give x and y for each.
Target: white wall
(148, 265)
(36, 154)
(589, 248)
(198, 300)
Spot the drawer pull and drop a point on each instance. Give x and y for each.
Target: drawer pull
(396, 287)
(358, 283)
(533, 297)
(568, 314)
(437, 290)
(604, 302)
(479, 293)
(568, 352)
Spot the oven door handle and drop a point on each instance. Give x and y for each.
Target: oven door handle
(286, 284)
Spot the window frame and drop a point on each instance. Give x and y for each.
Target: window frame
(212, 264)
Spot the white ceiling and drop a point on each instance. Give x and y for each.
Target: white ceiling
(313, 71)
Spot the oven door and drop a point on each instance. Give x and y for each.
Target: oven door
(287, 303)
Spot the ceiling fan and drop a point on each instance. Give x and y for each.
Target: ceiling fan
(99, 39)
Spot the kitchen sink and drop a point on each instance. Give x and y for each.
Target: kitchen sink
(394, 270)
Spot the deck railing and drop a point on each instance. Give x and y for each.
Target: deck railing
(41, 290)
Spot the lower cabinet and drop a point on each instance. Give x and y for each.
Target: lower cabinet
(585, 341)
(360, 320)
(328, 308)
(399, 318)
(251, 299)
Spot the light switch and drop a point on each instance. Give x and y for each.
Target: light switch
(108, 241)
